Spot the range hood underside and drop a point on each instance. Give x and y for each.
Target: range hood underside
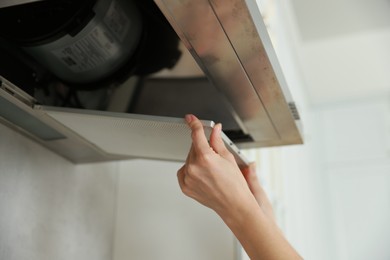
(230, 43)
(239, 83)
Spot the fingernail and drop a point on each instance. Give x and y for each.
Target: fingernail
(189, 118)
(219, 127)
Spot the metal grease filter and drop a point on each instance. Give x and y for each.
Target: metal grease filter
(137, 136)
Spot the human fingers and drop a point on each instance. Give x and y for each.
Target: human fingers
(181, 176)
(218, 145)
(199, 140)
(250, 176)
(256, 189)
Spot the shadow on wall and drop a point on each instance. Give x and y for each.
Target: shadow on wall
(50, 208)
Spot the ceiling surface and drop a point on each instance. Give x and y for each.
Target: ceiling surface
(323, 19)
(345, 48)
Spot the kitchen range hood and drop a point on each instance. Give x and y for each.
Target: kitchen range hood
(92, 136)
(228, 72)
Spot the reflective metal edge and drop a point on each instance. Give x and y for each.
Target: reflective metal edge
(224, 40)
(73, 147)
(9, 3)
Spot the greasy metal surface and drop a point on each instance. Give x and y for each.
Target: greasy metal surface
(225, 42)
(271, 86)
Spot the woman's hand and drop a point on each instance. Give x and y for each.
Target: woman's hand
(211, 175)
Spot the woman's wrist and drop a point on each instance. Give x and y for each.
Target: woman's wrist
(237, 213)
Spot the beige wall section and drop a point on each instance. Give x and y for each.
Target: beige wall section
(156, 221)
(50, 208)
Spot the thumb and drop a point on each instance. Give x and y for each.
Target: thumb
(218, 145)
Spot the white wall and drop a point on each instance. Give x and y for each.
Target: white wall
(348, 67)
(51, 209)
(355, 139)
(154, 220)
(337, 186)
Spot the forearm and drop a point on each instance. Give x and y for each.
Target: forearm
(258, 234)
(211, 176)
